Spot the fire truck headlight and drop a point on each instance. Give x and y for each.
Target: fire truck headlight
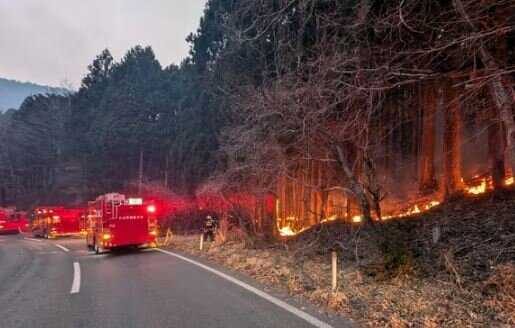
(151, 209)
(106, 236)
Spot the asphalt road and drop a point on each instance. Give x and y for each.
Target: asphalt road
(58, 283)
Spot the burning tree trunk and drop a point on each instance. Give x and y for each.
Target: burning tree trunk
(452, 142)
(496, 150)
(427, 181)
(501, 91)
(353, 184)
(504, 99)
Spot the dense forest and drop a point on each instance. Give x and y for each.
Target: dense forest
(333, 109)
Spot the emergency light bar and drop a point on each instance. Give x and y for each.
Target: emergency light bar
(135, 201)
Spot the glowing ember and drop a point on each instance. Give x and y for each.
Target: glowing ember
(431, 204)
(357, 218)
(286, 231)
(329, 219)
(410, 211)
(478, 189)
(478, 185)
(415, 209)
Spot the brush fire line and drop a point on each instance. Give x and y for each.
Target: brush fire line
(53, 222)
(114, 221)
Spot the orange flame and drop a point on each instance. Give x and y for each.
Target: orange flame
(357, 218)
(480, 186)
(329, 219)
(286, 231)
(478, 189)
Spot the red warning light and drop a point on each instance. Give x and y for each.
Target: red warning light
(151, 209)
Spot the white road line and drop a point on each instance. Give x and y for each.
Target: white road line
(32, 239)
(63, 248)
(285, 306)
(76, 278)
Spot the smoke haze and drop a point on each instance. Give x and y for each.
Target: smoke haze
(53, 41)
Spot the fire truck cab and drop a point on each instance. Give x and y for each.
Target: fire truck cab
(114, 221)
(52, 222)
(11, 222)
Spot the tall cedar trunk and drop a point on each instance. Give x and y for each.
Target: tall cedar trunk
(427, 181)
(313, 194)
(269, 226)
(496, 149)
(355, 187)
(452, 142)
(504, 99)
(500, 90)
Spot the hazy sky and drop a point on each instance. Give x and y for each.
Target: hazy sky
(49, 41)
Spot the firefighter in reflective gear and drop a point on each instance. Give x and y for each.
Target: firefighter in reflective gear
(210, 226)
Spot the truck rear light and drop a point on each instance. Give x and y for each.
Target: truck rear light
(153, 233)
(106, 236)
(151, 209)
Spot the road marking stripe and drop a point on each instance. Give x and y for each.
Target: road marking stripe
(76, 278)
(63, 248)
(32, 239)
(285, 306)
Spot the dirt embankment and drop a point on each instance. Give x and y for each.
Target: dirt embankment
(451, 267)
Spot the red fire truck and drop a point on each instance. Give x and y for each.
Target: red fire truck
(52, 222)
(21, 219)
(114, 221)
(8, 223)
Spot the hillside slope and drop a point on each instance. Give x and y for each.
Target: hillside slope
(453, 266)
(12, 93)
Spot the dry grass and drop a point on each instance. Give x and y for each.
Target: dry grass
(467, 279)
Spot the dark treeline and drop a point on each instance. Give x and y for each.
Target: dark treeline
(298, 98)
(69, 148)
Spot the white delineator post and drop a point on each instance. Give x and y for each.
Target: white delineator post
(334, 262)
(201, 241)
(436, 234)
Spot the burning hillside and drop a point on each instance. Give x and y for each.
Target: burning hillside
(447, 267)
(478, 185)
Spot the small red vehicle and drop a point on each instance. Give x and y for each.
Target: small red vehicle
(9, 224)
(114, 221)
(52, 222)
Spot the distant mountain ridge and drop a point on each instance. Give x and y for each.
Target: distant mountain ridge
(12, 93)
